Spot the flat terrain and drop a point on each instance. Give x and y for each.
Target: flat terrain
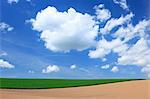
(11, 83)
(139, 89)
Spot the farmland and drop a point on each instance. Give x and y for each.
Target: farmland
(13, 83)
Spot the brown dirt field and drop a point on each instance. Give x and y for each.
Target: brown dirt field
(123, 90)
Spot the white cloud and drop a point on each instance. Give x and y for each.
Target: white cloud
(3, 53)
(98, 53)
(122, 3)
(31, 72)
(104, 47)
(16, 1)
(131, 31)
(51, 68)
(5, 27)
(104, 59)
(105, 67)
(12, 1)
(102, 14)
(146, 69)
(73, 67)
(65, 31)
(117, 45)
(134, 54)
(28, 0)
(85, 70)
(114, 22)
(5, 64)
(138, 54)
(71, 30)
(115, 69)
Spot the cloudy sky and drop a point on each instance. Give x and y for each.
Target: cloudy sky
(75, 39)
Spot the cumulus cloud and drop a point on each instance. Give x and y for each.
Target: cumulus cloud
(131, 31)
(51, 68)
(105, 67)
(102, 14)
(104, 47)
(65, 31)
(5, 64)
(4, 27)
(115, 69)
(129, 54)
(122, 3)
(138, 54)
(72, 30)
(73, 67)
(114, 22)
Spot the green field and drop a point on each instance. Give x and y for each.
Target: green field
(12, 83)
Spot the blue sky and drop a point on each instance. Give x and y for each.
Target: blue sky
(93, 39)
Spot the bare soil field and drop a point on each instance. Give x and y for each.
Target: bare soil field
(139, 89)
